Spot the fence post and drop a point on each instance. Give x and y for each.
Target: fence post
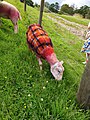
(83, 94)
(41, 12)
(25, 5)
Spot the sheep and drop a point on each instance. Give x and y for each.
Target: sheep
(9, 11)
(39, 42)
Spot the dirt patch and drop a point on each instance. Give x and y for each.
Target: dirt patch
(73, 27)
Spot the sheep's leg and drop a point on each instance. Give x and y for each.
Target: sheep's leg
(40, 62)
(14, 21)
(15, 28)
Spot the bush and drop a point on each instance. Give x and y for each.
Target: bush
(88, 15)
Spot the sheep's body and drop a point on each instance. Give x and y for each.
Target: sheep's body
(9, 11)
(39, 41)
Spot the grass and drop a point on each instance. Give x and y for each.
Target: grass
(72, 21)
(76, 19)
(26, 93)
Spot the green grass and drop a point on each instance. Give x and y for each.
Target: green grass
(76, 19)
(26, 93)
(68, 21)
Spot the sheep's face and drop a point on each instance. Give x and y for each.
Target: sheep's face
(57, 70)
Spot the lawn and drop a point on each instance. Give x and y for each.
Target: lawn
(26, 93)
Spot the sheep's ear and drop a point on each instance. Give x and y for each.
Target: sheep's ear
(62, 62)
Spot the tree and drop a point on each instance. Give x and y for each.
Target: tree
(83, 10)
(28, 2)
(66, 9)
(53, 7)
(88, 14)
(71, 10)
(47, 4)
(56, 6)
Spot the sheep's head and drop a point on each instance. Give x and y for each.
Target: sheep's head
(57, 70)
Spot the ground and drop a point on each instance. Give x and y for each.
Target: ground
(73, 27)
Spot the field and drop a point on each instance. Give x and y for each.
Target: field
(26, 93)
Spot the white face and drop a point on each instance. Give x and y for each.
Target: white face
(57, 70)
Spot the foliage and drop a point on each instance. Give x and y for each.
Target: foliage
(54, 7)
(28, 2)
(66, 9)
(47, 4)
(84, 11)
(51, 8)
(88, 14)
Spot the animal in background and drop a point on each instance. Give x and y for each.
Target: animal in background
(9, 11)
(39, 42)
(86, 47)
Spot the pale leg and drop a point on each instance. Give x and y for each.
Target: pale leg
(14, 21)
(15, 28)
(40, 62)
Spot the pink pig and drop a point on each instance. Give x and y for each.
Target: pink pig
(39, 42)
(9, 11)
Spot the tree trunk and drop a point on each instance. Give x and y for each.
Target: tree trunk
(83, 94)
(25, 5)
(41, 12)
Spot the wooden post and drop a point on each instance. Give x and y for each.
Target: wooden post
(83, 95)
(41, 12)
(25, 5)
